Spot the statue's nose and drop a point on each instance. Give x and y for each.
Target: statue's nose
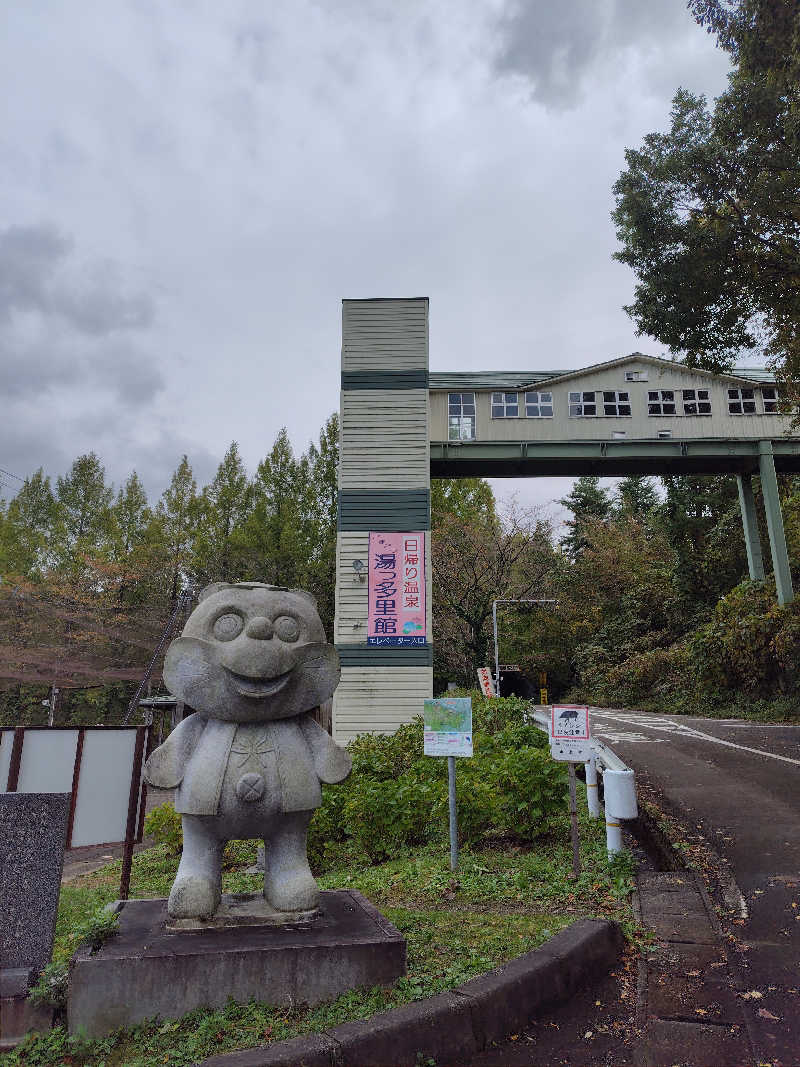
(259, 628)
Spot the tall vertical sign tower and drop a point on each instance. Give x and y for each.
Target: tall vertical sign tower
(384, 487)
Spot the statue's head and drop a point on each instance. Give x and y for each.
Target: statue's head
(251, 652)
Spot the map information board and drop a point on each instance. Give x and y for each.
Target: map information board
(448, 726)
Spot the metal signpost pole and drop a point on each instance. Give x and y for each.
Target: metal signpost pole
(496, 651)
(573, 815)
(570, 742)
(448, 732)
(451, 784)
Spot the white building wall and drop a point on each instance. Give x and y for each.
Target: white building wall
(640, 425)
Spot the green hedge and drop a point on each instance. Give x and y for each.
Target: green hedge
(396, 798)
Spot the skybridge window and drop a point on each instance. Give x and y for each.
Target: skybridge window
(505, 405)
(696, 402)
(461, 416)
(582, 404)
(617, 404)
(741, 401)
(661, 402)
(538, 405)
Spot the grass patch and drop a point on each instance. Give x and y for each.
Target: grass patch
(503, 901)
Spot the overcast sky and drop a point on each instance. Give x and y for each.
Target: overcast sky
(189, 188)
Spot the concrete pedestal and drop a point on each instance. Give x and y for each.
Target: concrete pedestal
(18, 1014)
(148, 970)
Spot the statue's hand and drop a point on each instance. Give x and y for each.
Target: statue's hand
(331, 762)
(166, 766)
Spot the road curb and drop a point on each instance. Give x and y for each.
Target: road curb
(454, 1026)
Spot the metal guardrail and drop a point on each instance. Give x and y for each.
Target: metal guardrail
(619, 784)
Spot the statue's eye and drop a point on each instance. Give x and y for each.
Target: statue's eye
(228, 626)
(287, 628)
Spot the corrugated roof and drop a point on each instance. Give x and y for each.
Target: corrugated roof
(457, 381)
(500, 379)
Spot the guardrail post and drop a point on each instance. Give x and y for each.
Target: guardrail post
(592, 794)
(619, 788)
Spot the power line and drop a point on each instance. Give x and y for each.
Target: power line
(11, 474)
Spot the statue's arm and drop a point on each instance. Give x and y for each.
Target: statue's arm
(166, 766)
(331, 762)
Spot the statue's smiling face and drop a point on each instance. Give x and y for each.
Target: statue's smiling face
(251, 652)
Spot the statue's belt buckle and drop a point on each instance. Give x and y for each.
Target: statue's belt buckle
(250, 788)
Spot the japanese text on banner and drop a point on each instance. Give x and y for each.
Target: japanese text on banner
(396, 589)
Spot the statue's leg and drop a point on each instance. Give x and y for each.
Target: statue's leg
(197, 889)
(288, 882)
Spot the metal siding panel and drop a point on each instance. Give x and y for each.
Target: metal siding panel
(385, 335)
(384, 509)
(384, 379)
(363, 655)
(378, 699)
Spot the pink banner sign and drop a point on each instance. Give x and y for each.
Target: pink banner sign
(396, 570)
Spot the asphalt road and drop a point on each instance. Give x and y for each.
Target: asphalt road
(739, 782)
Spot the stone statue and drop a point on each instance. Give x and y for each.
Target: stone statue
(252, 662)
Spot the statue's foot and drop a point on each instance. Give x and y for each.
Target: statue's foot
(293, 891)
(193, 897)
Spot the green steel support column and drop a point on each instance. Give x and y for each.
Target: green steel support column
(777, 537)
(752, 540)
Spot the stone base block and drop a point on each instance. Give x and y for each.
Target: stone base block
(148, 970)
(18, 1015)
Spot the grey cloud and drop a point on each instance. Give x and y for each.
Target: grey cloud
(557, 46)
(26, 443)
(67, 326)
(36, 275)
(49, 364)
(29, 256)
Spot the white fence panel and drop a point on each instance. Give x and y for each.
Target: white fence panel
(6, 743)
(48, 761)
(101, 808)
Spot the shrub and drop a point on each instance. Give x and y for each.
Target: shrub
(163, 824)
(396, 798)
(52, 988)
(751, 644)
(99, 928)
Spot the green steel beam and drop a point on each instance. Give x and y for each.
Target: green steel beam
(521, 459)
(752, 539)
(777, 537)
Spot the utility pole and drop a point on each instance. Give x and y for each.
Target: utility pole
(51, 714)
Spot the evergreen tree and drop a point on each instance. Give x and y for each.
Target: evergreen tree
(277, 533)
(135, 544)
(224, 505)
(468, 499)
(587, 501)
(323, 486)
(130, 516)
(702, 522)
(637, 496)
(29, 528)
(84, 510)
(707, 212)
(177, 514)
